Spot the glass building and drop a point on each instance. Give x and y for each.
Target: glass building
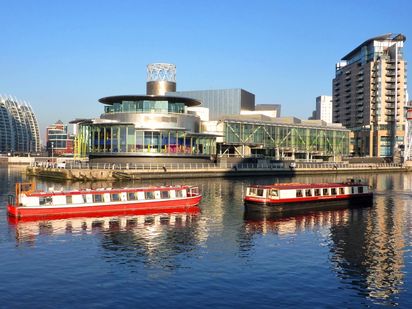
(282, 138)
(19, 130)
(146, 128)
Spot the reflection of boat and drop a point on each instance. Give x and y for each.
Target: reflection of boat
(27, 229)
(258, 223)
(35, 204)
(290, 197)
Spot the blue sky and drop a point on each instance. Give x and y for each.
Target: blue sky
(62, 56)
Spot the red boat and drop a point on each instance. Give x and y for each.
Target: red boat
(299, 196)
(29, 203)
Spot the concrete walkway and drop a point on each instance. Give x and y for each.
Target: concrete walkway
(141, 174)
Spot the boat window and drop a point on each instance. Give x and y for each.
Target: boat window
(179, 193)
(333, 191)
(69, 199)
(131, 196)
(317, 192)
(352, 190)
(360, 189)
(325, 192)
(115, 197)
(45, 200)
(341, 191)
(97, 198)
(164, 194)
(253, 191)
(274, 193)
(149, 195)
(260, 192)
(308, 192)
(299, 193)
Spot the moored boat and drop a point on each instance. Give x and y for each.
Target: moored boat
(28, 202)
(289, 197)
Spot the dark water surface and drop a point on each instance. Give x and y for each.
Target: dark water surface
(218, 258)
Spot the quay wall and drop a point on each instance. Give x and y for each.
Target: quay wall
(84, 174)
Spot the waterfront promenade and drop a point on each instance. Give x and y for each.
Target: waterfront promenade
(87, 172)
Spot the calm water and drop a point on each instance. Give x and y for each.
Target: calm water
(218, 258)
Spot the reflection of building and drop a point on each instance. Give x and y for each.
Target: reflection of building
(147, 128)
(19, 130)
(369, 249)
(369, 93)
(59, 141)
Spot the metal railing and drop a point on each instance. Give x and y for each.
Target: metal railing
(214, 166)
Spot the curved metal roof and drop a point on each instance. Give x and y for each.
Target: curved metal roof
(384, 37)
(116, 99)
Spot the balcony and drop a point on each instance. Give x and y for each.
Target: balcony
(360, 97)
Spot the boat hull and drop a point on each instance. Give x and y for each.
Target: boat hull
(112, 209)
(287, 207)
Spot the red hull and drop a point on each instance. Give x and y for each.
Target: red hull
(102, 210)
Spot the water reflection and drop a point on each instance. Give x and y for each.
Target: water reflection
(156, 242)
(366, 247)
(147, 226)
(370, 249)
(366, 244)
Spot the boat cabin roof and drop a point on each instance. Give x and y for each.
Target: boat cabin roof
(291, 186)
(105, 190)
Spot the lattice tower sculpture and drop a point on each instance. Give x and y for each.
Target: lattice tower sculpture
(161, 78)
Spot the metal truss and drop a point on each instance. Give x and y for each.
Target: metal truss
(310, 140)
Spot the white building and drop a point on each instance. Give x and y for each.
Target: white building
(323, 108)
(19, 130)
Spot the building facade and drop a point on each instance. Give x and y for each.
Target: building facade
(146, 128)
(282, 138)
(323, 109)
(19, 129)
(221, 102)
(369, 95)
(59, 142)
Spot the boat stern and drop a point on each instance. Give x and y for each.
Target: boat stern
(12, 210)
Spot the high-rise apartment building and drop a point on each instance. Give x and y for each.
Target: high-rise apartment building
(19, 130)
(323, 109)
(369, 94)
